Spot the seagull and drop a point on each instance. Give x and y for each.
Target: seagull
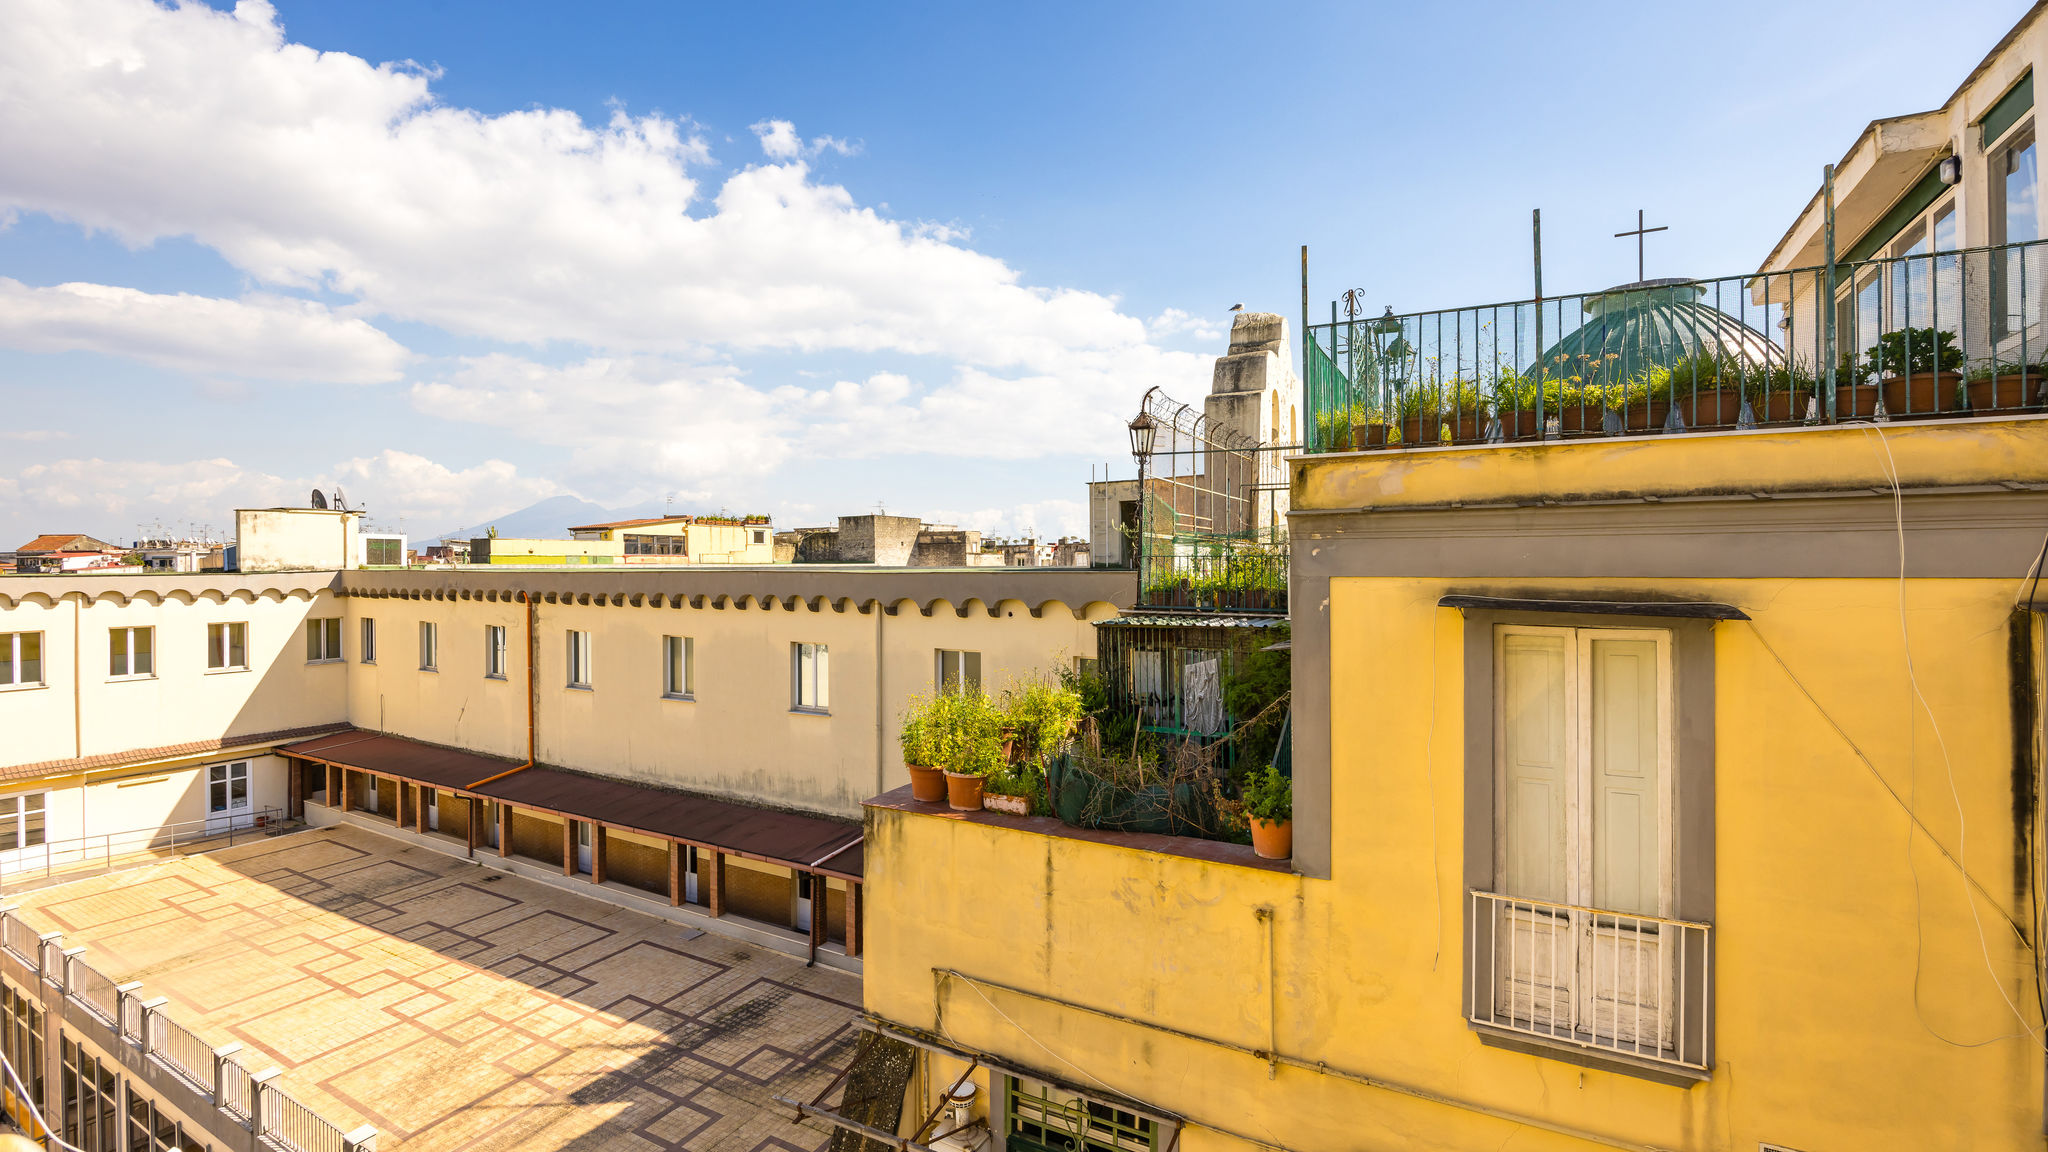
(1237, 307)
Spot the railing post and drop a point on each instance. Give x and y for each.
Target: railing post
(149, 1011)
(64, 975)
(221, 1057)
(1827, 303)
(257, 1081)
(44, 943)
(123, 993)
(363, 1139)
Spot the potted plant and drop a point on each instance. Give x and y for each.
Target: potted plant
(1915, 371)
(2003, 387)
(1269, 809)
(1519, 408)
(974, 748)
(1013, 789)
(921, 736)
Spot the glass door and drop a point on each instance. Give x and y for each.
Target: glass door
(227, 796)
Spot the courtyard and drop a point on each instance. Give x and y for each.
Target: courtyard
(456, 1007)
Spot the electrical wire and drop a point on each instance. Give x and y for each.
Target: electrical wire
(1948, 766)
(2033, 573)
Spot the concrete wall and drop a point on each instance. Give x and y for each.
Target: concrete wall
(885, 540)
(296, 539)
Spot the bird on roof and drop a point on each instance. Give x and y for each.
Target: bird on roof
(1237, 307)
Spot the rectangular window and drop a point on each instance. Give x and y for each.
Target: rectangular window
(1039, 1115)
(227, 646)
(2016, 274)
(579, 659)
(383, 553)
(369, 648)
(494, 651)
(131, 652)
(323, 639)
(958, 672)
(21, 1038)
(760, 537)
(678, 667)
(21, 821)
(809, 677)
(21, 659)
(430, 646)
(150, 1128)
(91, 1093)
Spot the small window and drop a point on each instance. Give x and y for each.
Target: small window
(494, 651)
(369, 649)
(958, 673)
(430, 646)
(323, 639)
(131, 652)
(1043, 1116)
(678, 667)
(760, 537)
(21, 659)
(21, 821)
(227, 647)
(385, 552)
(810, 678)
(579, 659)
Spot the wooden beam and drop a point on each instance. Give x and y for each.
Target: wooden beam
(419, 808)
(821, 910)
(295, 803)
(476, 812)
(504, 829)
(717, 883)
(568, 847)
(853, 918)
(333, 786)
(675, 874)
(345, 805)
(596, 853)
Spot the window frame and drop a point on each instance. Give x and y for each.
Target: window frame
(578, 658)
(430, 646)
(367, 652)
(669, 688)
(220, 648)
(121, 645)
(969, 677)
(19, 819)
(1692, 848)
(819, 659)
(496, 652)
(11, 661)
(323, 640)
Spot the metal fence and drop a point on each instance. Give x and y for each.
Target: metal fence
(1919, 336)
(238, 1094)
(181, 1049)
(1600, 979)
(91, 988)
(60, 860)
(21, 940)
(290, 1124)
(1212, 514)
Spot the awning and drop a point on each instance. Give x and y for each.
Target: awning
(808, 843)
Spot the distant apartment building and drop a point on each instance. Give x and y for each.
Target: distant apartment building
(67, 552)
(657, 540)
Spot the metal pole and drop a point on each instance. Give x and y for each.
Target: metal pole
(1305, 337)
(1542, 369)
(1827, 304)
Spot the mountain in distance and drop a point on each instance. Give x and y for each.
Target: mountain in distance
(548, 519)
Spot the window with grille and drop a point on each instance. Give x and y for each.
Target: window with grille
(323, 639)
(227, 647)
(386, 553)
(809, 676)
(21, 659)
(131, 651)
(678, 667)
(1042, 1118)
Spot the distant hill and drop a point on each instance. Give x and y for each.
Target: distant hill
(549, 518)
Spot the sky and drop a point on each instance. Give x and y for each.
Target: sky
(816, 259)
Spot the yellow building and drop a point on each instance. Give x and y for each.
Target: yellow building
(662, 540)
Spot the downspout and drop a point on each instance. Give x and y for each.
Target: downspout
(532, 697)
(881, 766)
(77, 660)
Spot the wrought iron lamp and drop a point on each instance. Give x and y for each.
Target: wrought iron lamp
(1144, 430)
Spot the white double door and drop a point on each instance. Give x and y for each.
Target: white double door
(227, 796)
(1584, 771)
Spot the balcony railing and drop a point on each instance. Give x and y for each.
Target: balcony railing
(1215, 574)
(1617, 982)
(63, 860)
(1922, 336)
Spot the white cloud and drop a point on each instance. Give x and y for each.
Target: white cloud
(779, 141)
(1175, 322)
(402, 487)
(1048, 519)
(268, 337)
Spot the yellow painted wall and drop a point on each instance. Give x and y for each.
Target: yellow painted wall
(1830, 1033)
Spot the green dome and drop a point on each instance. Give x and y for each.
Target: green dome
(1633, 328)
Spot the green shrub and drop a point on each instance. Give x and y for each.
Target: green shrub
(1269, 796)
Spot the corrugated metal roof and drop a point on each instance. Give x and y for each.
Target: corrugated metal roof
(1192, 620)
(784, 837)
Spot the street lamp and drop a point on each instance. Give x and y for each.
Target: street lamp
(1143, 431)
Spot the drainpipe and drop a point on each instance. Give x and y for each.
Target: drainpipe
(881, 714)
(532, 697)
(77, 660)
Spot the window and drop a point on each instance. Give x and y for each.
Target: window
(579, 659)
(21, 1038)
(150, 1129)
(678, 667)
(430, 646)
(384, 552)
(21, 659)
(958, 673)
(1043, 1116)
(760, 536)
(227, 793)
(809, 678)
(645, 545)
(369, 648)
(1583, 928)
(323, 639)
(494, 651)
(91, 1093)
(227, 647)
(21, 821)
(131, 651)
(2016, 275)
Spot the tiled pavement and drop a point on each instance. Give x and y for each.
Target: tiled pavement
(455, 1007)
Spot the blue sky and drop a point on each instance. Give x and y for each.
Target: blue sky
(808, 258)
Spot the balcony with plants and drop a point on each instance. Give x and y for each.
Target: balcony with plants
(1944, 335)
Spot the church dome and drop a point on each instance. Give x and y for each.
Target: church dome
(1632, 328)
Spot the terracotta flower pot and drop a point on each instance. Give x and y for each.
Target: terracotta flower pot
(1526, 424)
(1710, 407)
(1580, 420)
(1921, 396)
(2003, 393)
(1368, 437)
(1014, 805)
(1783, 407)
(1428, 431)
(927, 784)
(1272, 839)
(963, 791)
(1645, 416)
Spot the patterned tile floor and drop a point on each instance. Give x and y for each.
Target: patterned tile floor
(455, 1007)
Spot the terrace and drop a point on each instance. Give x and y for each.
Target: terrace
(1930, 335)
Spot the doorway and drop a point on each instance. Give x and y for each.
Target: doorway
(227, 796)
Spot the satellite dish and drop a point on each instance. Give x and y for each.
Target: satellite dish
(340, 501)
(319, 501)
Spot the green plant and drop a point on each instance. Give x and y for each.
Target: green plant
(1253, 692)
(1025, 780)
(972, 741)
(1907, 351)
(919, 733)
(1269, 796)
(1042, 713)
